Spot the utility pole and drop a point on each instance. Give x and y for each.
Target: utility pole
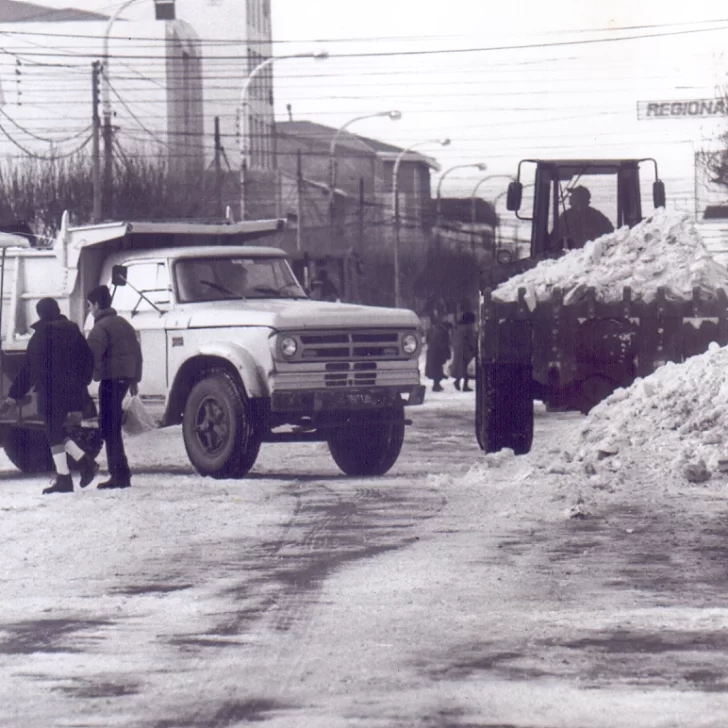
(361, 214)
(96, 151)
(299, 202)
(218, 168)
(108, 179)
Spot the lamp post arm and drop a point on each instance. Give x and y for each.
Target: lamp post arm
(332, 149)
(105, 88)
(244, 149)
(395, 175)
(337, 134)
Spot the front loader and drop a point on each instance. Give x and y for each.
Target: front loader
(572, 356)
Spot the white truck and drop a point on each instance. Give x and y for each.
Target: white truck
(233, 347)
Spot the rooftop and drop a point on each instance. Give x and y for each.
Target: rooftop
(16, 11)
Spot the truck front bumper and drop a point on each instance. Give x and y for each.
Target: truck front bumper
(345, 399)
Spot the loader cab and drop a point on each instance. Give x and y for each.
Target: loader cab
(565, 203)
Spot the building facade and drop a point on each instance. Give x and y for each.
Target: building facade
(172, 87)
(342, 210)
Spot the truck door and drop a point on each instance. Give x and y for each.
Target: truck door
(148, 317)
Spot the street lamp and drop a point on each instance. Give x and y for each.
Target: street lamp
(477, 187)
(164, 10)
(473, 199)
(490, 176)
(395, 208)
(244, 146)
(394, 115)
(482, 166)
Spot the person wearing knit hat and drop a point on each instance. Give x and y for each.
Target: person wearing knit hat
(117, 367)
(58, 365)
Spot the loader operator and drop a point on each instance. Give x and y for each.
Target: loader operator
(581, 222)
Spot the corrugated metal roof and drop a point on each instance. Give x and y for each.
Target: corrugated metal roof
(324, 134)
(16, 11)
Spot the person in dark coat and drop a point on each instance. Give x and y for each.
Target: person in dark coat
(58, 364)
(582, 222)
(464, 343)
(118, 366)
(438, 351)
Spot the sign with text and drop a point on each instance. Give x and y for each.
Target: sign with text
(683, 109)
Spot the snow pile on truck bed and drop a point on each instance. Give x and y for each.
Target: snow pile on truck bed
(662, 251)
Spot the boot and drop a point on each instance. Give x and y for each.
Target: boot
(62, 484)
(456, 383)
(88, 468)
(115, 481)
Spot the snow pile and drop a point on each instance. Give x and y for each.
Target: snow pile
(662, 251)
(671, 426)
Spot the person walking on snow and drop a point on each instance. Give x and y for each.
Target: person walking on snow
(117, 359)
(438, 351)
(464, 343)
(58, 364)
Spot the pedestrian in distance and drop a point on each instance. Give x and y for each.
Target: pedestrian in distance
(438, 350)
(464, 343)
(58, 365)
(117, 365)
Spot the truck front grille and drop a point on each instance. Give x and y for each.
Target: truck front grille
(348, 358)
(358, 374)
(349, 345)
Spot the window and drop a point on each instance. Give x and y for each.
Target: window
(230, 279)
(152, 279)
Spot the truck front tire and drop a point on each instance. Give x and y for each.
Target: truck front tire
(368, 443)
(221, 437)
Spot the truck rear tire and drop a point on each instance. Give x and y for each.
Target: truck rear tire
(28, 450)
(221, 438)
(368, 443)
(504, 407)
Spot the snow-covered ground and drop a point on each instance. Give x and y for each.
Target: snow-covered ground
(579, 586)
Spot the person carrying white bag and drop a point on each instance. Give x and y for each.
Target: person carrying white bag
(137, 419)
(118, 368)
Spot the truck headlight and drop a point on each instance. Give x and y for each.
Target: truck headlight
(410, 343)
(288, 346)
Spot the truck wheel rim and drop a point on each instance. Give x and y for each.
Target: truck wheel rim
(211, 426)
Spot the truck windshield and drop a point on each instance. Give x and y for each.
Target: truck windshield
(239, 278)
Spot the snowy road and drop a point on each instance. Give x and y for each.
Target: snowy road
(453, 592)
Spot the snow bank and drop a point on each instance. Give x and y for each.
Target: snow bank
(662, 251)
(672, 425)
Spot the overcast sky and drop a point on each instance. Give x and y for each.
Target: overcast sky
(509, 80)
(502, 80)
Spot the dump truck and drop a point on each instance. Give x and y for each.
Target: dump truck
(572, 352)
(234, 349)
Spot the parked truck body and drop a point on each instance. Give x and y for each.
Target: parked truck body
(571, 356)
(234, 349)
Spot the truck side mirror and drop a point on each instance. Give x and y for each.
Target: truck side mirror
(118, 275)
(658, 193)
(514, 195)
